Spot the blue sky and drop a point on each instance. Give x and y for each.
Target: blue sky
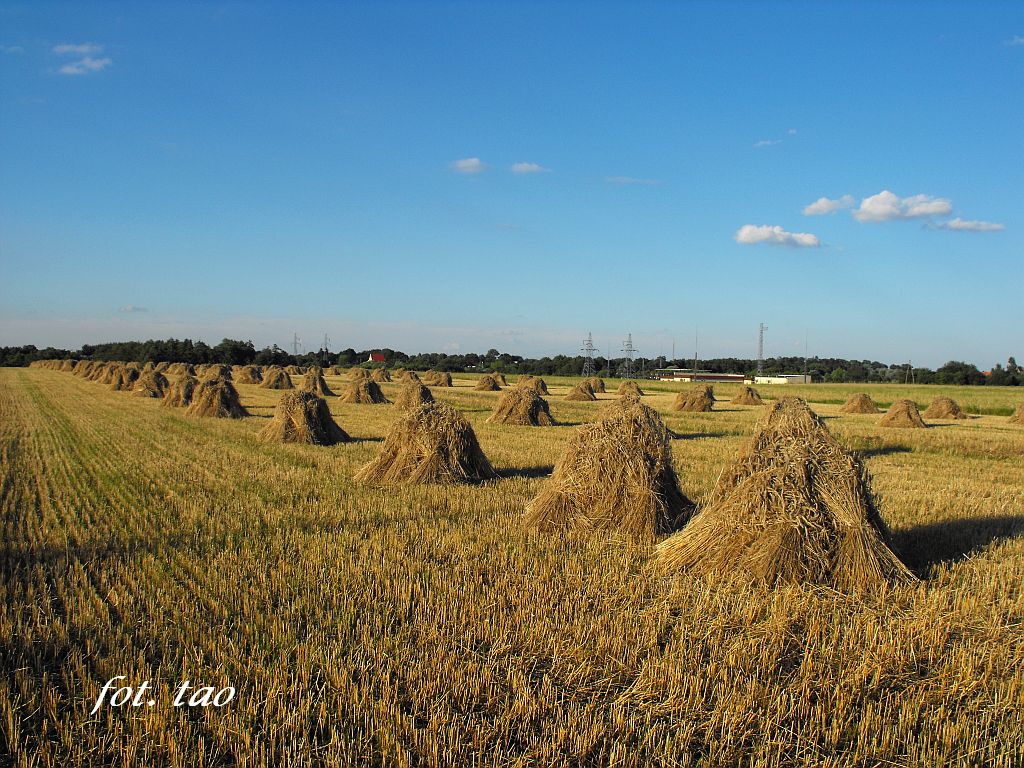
(430, 176)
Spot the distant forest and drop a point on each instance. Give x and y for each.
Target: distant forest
(234, 352)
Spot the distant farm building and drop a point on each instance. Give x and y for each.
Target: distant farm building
(784, 378)
(688, 374)
(376, 357)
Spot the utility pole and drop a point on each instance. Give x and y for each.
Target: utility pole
(760, 349)
(695, 341)
(627, 365)
(588, 351)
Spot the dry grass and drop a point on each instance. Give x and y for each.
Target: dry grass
(859, 403)
(179, 391)
(313, 381)
(247, 374)
(380, 375)
(437, 379)
(276, 378)
(700, 399)
(794, 507)
(150, 384)
(364, 392)
(412, 395)
(597, 384)
(487, 383)
(903, 414)
(747, 396)
(943, 407)
(614, 475)
(303, 417)
(535, 383)
(1018, 415)
(216, 398)
(582, 392)
(522, 406)
(629, 388)
(431, 444)
(123, 378)
(421, 625)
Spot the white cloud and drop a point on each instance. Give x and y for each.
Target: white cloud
(1015, 40)
(527, 168)
(131, 308)
(824, 205)
(85, 65)
(886, 206)
(630, 180)
(750, 234)
(13, 49)
(767, 142)
(468, 165)
(791, 132)
(966, 225)
(77, 49)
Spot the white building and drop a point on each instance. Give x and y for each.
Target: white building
(785, 378)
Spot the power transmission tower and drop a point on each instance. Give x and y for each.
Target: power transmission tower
(626, 370)
(326, 352)
(588, 351)
(296, 343)
(760, 349)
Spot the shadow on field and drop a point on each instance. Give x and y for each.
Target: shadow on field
(529, 472)
(698, 435)
(884, 450)
(926, 545)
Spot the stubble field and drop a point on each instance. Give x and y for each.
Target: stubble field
(423, 626)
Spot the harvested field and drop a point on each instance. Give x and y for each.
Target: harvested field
(423, 624)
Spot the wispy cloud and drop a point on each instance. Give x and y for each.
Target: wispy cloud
(85, 66)
(131, 308)
(77, 49)
(767, 143)
(886, 206)
(630, 180)
(88, 63)
(13, 49)
(966, 225)
(1015, 40)
(750, 234)
(522, 168)
(824, 205)
(468, 165)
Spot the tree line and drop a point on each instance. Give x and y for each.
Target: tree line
(235, 352)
